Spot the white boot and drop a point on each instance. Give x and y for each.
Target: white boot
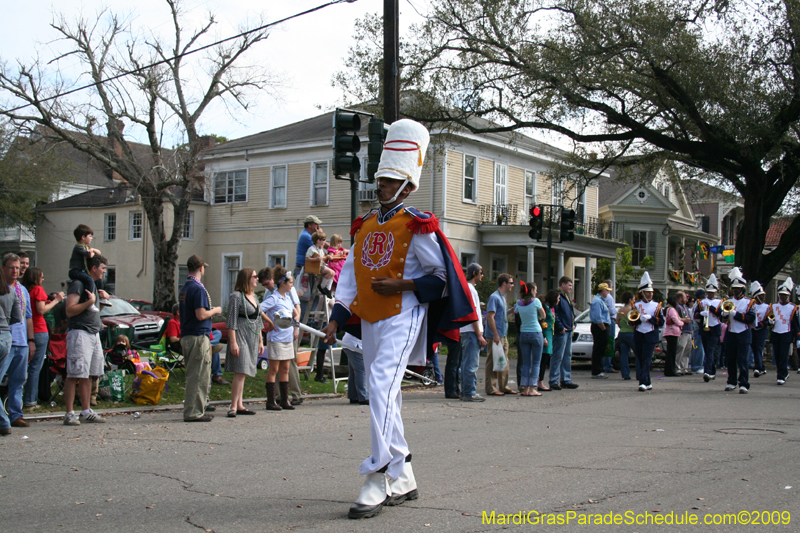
(404, 487)
(374, 494)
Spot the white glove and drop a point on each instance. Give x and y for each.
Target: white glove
(798, 344)
(645, 318)
(703, 313)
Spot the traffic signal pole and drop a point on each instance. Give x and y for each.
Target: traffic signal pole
(391, 60)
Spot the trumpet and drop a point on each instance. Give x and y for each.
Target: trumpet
(728, 306)
(770, 314)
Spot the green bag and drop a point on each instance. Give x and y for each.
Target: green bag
(112, 386)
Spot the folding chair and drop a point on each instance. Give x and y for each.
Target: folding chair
(54, 369)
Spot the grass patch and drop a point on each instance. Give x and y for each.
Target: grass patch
(253, 388)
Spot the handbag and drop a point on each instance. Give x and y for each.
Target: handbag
(499, 356)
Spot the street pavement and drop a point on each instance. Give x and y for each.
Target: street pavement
(604, 449)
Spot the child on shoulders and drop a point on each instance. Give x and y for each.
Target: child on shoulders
(81, 253)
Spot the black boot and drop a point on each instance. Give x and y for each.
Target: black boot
(285, 404)
(271, 405)
(321, 367)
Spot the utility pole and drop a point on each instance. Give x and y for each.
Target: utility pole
(391, 61)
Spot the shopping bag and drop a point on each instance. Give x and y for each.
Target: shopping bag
(149, 385)
(499, 356)
(112, 386)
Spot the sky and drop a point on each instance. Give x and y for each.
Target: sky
(304, 52)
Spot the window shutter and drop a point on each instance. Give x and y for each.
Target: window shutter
(651, 243)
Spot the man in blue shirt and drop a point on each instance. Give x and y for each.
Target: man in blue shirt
(601, 325)
(21, 342)
(310, 225)
(496, 333)
(196, 313)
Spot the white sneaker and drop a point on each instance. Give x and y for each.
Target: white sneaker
(642, 388)
(92, 418)
(649, 387)
(93, 308)
(712, 376)
(743, 390)
(71, 419)
(781, 381)
(729, 388)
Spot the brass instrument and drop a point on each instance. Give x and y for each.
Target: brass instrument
(634, 315)
(728, 306)
(705, 318)
(770, 314)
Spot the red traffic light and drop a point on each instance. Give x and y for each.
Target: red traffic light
(536, 211)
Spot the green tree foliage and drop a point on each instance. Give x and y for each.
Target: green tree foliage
(627, 274)
(29, 176)
(711, 85)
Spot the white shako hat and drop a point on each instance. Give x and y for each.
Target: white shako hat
(404, 152)
(646, 284)
(786, 287)
(711, 284)
(756, 289)
(737, 280)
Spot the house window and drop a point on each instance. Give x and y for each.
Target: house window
(557, 191)
(530, 189)
(580, 211)
(188, 225)
(638, 247)
(111, 227)
(667, 191)
(231, 265)
(275, 259)
(319, 186)
(498, 263)
(230, 187)
(467, 258)
(110, 280)
(470, 178)
(136, 226)
(500, 182)
(183, 274)
(278, 187)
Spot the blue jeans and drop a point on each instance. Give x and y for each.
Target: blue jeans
(530, 345)
(625, 341)
(356, 378)
(5, 360)
(696, 359)
(34, 368)
(216, 365)
(607, 365)
(561, 360)
(470, 359)
(17, 372)
(451, 368)
(437, 374)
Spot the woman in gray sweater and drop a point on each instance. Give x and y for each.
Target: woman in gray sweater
(10, 313)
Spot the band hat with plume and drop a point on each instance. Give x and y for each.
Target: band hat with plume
(404, 152)
(756, 289)
(786, 287)
(646, 284)
(711, 284)
(737, 279)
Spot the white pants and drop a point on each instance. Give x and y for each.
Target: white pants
(387, 346)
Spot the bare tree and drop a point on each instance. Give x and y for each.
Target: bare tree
(153, 88)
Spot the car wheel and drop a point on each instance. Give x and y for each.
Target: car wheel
(263, 364)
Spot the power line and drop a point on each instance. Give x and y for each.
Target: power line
(200, 49)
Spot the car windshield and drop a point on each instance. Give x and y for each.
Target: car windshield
(119, 307)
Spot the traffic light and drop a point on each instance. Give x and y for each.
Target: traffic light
(537, 222)
(346, 143)
(376, 130)
(567, 224)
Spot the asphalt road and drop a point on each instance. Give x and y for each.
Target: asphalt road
(686, 447)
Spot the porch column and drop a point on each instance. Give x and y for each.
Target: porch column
(560, 269)
(614, 278)
(587, 284)
(529, 273)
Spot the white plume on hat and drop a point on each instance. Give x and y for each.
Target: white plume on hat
(404, 152)
(756, 289)
(737, 280)
(786, 287)
(646, 284)
(711, 284)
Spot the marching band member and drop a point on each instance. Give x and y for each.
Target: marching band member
(404, 281)
(784, 329)
(710, 329)
(645, 336)
(760, 329)
(738, 337)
